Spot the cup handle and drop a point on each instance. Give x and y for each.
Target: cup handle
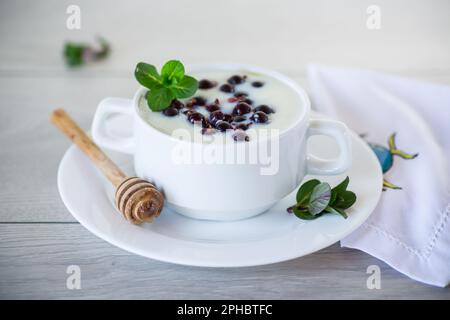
(100, 135)
(338, 131)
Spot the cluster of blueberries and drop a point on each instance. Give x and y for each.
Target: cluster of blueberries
(218, 120)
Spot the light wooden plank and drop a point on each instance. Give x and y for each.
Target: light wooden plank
(31, 147)
(285, 36)
(34, 258)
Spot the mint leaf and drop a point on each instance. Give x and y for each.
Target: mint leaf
(337, 211)
(171, 84)
(345, 200)
(184, 88)
(320, 197)
(147, 75)
(333, 198)
(304, 192)
(159, 98)
(315, 198)
(304, 214)
(73, 54)
(341, 187)
(78, 54)
(171, 70)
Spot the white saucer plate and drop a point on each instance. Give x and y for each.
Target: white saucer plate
(273, 236)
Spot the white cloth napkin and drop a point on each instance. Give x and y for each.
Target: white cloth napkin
(410, 228)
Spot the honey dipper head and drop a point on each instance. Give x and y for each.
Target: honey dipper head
(138, 200)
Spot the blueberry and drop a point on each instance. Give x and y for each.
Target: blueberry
(216, 116)
(222, 125)
(242, 108)
(200, 101)
(233, 99)
(206, 123)
(240, 135)
(257, 84)
(236, 79)
(241, 94)
(170, 111)
(177, 104)
(195, 117)
(228, 88)
(206, 84)
(227, 117)
(196, 101)
(259, 117)
(212, 107)
(247, 100)
(208, 131)
(242, 126)
(191, 103)
(239, 118)
(264, 108)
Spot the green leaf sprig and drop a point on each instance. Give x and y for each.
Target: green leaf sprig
(78, 54)
(171, 84)
(315, 198)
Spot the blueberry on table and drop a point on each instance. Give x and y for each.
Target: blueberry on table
(259, 117)
(222, 125)
(228, 88)
(170, 112)
(242, 108)
(257, 84)
(236, 79)
(264, 108)
(206, 84)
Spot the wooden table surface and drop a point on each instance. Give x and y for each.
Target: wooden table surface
(39, 238)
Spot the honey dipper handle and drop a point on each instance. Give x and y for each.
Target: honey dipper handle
(66, 124)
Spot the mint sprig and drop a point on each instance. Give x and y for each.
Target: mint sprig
(315, 198)
(171, 84)
(77, 54)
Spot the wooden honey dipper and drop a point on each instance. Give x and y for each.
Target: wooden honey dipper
(138, 200)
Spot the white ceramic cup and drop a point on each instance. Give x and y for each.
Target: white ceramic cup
(223, 191)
